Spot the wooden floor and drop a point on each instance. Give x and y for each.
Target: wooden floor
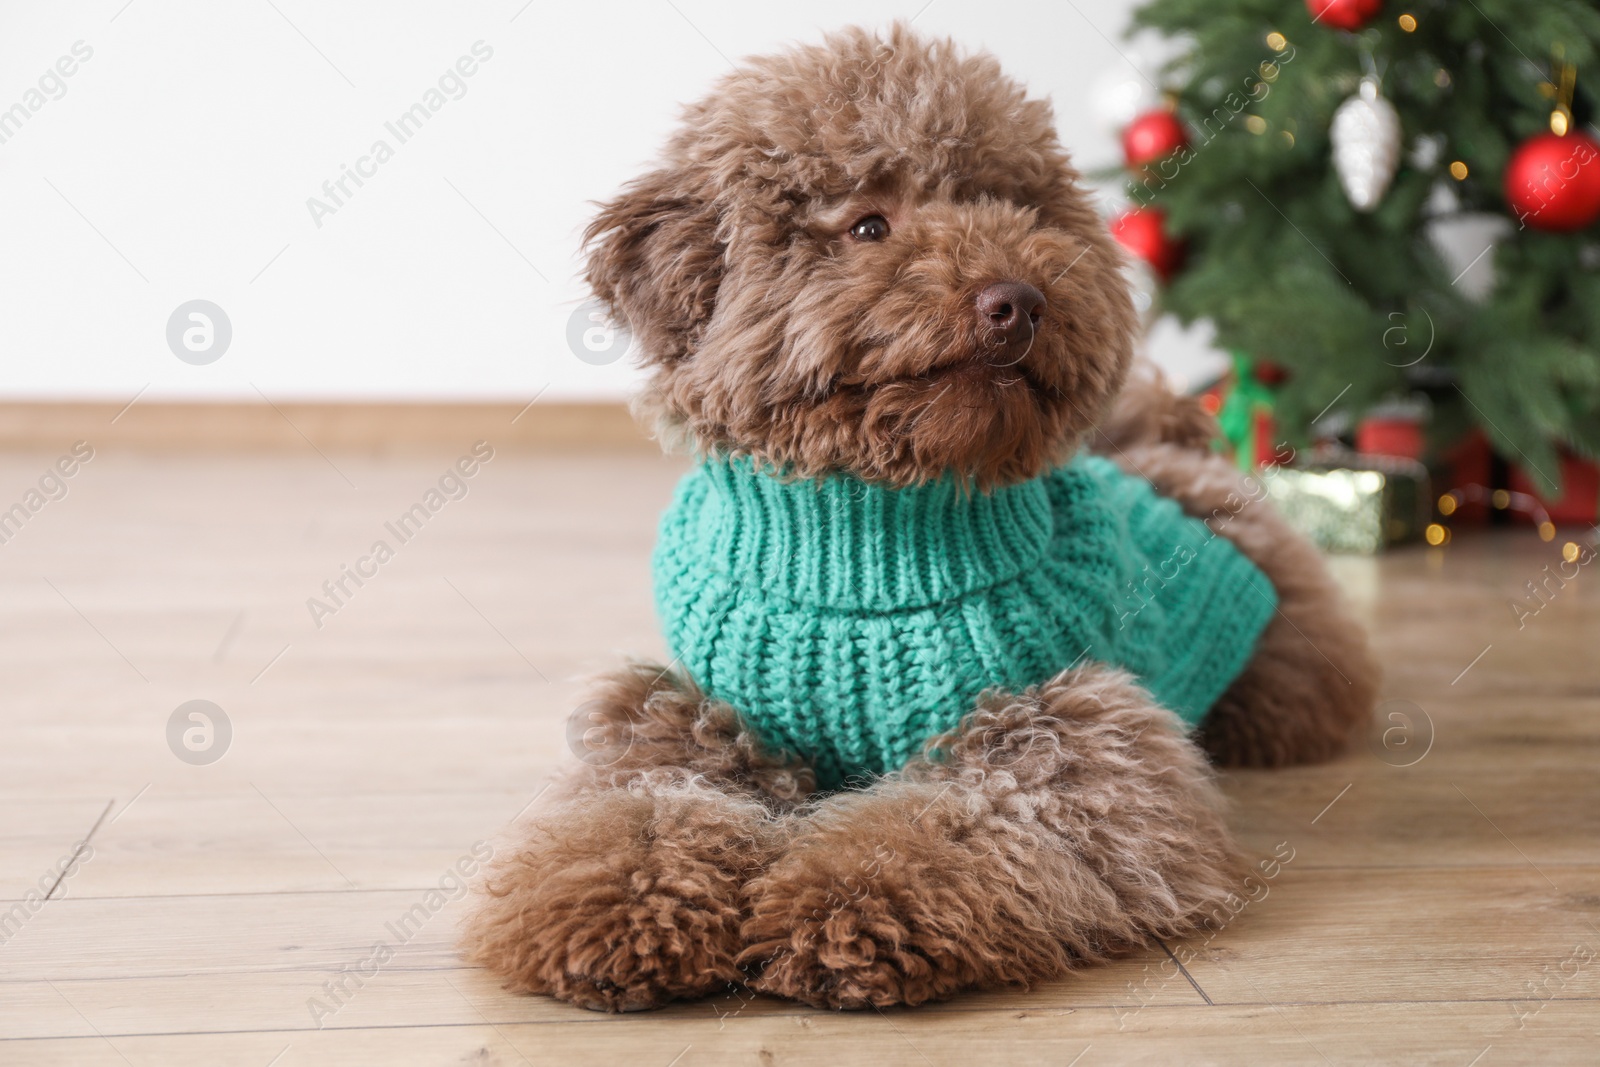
(1442, 903)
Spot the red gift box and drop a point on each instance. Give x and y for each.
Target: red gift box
(1580, 490)
(1401, 437)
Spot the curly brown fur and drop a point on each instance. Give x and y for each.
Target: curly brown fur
(1312, 680)
(1058, 826)
(771, 331)
(1148, 411)
(626, 888)
(644, 717)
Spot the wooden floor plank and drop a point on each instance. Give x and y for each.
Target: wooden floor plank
(1331, 936)
(1376, 816)
(305, 1001)
(175, 843)
(1428, 1035)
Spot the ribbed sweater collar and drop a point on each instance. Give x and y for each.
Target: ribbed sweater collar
(842, 543)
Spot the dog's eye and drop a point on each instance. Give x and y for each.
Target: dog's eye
(871, 228)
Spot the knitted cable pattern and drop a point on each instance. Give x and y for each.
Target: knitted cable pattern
(849, 622)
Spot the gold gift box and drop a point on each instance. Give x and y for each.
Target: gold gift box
(1348, 502)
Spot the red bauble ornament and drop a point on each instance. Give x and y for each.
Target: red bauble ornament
(1553, 183)
(1343, 14)
(1143, 231)
(1151, 137)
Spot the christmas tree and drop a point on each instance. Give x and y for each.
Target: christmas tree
(1315, 156)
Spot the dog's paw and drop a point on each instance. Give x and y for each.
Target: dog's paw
(622, 901)
(869, 909)
(869, 951)
(636, 951)
(641, 976)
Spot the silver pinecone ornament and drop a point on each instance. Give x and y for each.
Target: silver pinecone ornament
(1366, 145)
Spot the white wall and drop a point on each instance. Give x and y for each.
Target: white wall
(176, 162)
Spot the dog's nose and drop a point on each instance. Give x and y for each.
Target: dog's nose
(1010, 310)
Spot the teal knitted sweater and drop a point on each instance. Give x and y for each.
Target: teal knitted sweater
(850, 622)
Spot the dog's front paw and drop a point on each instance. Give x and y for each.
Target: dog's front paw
(623, 901)
(867, 951)
(870, 909)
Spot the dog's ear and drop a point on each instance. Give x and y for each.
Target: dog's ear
(655, 259)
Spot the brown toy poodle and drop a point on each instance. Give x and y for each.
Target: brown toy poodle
(959, 613)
